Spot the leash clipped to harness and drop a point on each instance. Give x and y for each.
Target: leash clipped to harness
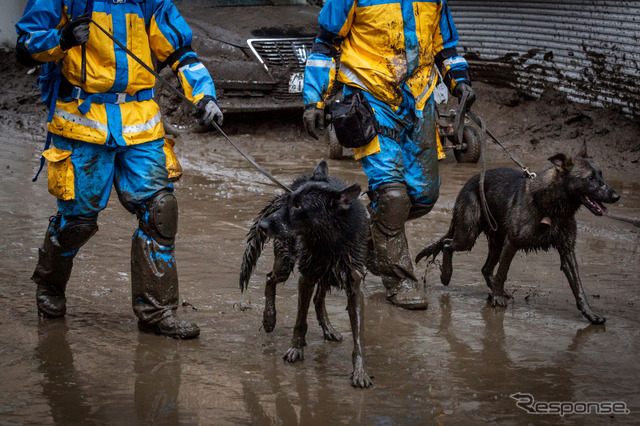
(193, 106)
(485, 131)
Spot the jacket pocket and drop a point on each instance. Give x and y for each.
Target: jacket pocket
(173, 165)
(60, 173)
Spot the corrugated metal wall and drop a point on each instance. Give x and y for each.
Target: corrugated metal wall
(588, 49)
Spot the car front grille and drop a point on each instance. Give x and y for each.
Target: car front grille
(282, 57)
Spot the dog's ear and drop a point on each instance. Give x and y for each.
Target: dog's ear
(583, 150)
(562, 162)
(347, 196)
(321, 172)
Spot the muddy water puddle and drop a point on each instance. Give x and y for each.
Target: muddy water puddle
(456, 363)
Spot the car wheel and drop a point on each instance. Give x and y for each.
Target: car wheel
(471, 153)
(335, 149)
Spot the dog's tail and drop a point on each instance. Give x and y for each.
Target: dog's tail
(435, 247)
(256, 239)
(432, 249)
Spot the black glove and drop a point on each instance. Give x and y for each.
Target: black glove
(465, 94)
(313, 119)
(208, 111)
(76, 32)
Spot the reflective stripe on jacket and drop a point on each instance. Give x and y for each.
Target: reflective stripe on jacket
(145, 27)
(386, 47)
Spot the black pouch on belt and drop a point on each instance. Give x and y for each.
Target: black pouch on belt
(353, 120)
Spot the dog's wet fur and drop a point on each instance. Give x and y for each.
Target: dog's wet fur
(321, 227)
(531, 215)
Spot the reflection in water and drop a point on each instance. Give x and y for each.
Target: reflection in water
(309, 400)
(158, 373)
(61, 385)
(73, 398)
(286, 401)
(491, 373)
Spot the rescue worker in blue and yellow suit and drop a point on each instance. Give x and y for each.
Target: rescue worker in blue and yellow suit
(107, 131)
(388, 50)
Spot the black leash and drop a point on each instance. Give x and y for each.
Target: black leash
(483, 197)
(480, 123)
(194, 107)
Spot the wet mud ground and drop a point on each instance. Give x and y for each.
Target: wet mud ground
(455, 363)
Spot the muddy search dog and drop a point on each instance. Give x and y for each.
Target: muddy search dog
(321, 226)
(531, 215)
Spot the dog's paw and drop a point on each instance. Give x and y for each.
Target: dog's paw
(268, 321)
(596, 319)
(294, 354)
(331, 335)
(499, 300)
(360, 379)
(445, 275)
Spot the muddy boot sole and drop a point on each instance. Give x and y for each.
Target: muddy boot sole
(48, 314)
(175, 331)
(411, 299)
(50, 306)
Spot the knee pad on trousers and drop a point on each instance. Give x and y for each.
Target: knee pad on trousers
(393, 205)
(74, 231)
(159, 217)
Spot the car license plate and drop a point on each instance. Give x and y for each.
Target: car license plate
(296, 82)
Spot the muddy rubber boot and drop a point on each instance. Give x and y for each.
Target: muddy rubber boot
(171, 327)
(391, 248)
(154, 289)
(55, 261)
(154, 275)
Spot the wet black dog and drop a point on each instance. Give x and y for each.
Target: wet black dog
(531, 215)
(321, 226)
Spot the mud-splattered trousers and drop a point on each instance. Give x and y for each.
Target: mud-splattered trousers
(107, 131)
(411, 157)
(404, 183)
(141, 175)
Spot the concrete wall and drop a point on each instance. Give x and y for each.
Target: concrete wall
(10, 12)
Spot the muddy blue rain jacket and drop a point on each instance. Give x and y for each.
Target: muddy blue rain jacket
(386, 47)
(128, 115)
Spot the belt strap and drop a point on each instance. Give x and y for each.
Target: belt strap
(389, 132)
(108, 98)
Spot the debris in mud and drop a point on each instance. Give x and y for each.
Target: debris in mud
(185, 303)
(579, 118)
(531, 293)
(242, 306)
